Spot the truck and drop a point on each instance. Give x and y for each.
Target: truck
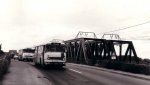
(26, 54)
(50, 54)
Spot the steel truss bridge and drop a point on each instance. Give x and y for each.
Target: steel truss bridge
(94, 50)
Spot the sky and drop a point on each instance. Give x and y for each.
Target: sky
(27, 23)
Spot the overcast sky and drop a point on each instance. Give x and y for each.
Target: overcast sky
(25, 23)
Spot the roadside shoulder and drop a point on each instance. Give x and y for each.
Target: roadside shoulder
(21, 73)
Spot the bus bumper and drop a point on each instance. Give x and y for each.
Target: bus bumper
(55, 62)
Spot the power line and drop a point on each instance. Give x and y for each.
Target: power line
(145, 38)
(138, 39)
(127, 27)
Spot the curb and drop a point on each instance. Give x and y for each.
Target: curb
(138, 76)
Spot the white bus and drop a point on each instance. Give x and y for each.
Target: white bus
(50, 54)
(26, 54)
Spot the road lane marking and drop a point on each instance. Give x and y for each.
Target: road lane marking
(75, 71)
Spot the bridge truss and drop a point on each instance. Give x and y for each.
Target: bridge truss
(93, 50)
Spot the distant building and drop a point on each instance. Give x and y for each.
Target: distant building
(12, 53)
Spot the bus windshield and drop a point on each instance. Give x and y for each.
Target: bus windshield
(28, 50)
(57, 47)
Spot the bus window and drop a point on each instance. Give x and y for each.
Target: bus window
(55, 48)
(60, 48)
(28, 50)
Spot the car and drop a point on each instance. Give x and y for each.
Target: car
(15, 57)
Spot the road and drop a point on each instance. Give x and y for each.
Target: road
(77, 75)
(25, 73)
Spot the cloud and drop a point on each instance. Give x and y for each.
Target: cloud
(24, 23)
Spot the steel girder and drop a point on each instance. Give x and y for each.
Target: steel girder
(92, 50)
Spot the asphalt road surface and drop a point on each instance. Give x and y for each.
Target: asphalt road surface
(25, 73)
(77, 75)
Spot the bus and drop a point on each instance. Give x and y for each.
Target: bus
(53, 53)
(26, 54)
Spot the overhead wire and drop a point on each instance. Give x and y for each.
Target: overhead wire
(129, 27)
